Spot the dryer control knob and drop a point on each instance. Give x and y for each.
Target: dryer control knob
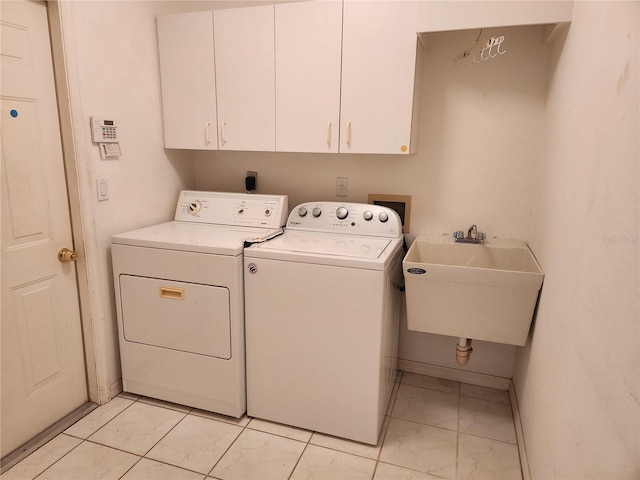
(368, 215)
(194, 207)
(302, 212)
(316, 212)
(383, 217)
(342, 213)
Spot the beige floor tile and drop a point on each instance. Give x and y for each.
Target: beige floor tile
(392, 398)
(42, 458)
(91, 461)
(347, 446)
(482, 458)
(196, 443)
(427, 406)
(147, 469)
(279, 429)
(384, 471)
(324, 464)
(138, 428)
(420, 447)
(485, 393)
(487, 419)
(259, 455)
(89, 424)
(433, 432)
(434, 383)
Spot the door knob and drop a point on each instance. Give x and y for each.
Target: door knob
(66, 255)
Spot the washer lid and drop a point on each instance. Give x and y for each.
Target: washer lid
(193, 237)
(313, 243)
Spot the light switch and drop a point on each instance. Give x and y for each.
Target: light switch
(103, 189)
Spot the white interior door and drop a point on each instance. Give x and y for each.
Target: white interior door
(43, 369)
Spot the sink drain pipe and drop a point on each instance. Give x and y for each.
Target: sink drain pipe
(463, 350)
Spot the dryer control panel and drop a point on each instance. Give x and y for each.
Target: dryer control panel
(352, 218)
(242, 209)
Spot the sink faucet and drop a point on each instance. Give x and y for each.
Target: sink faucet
(473, 236)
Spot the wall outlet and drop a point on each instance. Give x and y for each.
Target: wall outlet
(251, 181)
(342, 186)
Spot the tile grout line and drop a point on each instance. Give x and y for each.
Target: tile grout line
(301, 455)
(244, 427)
(520, 440)
(392, 404)
(83, 440)
(168, 431)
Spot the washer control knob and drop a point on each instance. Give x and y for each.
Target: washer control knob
(194, 207)
(302, 212)
(267, 212)
(316, 212)
(342, 213)
(383, 217)
(368, 215)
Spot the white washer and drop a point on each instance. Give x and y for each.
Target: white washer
(179, 299)
(322, 308)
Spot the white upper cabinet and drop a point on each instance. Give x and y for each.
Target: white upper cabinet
(308, 38)
(188, 80)
(378, 73)
(245, 78)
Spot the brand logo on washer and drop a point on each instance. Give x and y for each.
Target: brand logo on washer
(252, 267)
(417, 271)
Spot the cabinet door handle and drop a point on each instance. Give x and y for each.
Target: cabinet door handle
(349, 134)
(222, 139)
(207, 137)
(329, 134)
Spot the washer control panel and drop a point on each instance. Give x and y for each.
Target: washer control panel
(354, 218)
(241, 209)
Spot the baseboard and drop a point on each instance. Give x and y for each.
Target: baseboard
(524, 461)
(115, 389)
(454, 374)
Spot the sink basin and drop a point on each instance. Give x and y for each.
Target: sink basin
(484, 292)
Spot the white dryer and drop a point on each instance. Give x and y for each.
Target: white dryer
(322, 310)
(179, 298)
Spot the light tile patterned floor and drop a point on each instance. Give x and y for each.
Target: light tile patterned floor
(435, 429)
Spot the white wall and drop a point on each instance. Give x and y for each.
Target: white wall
(478, 143)
(578, 379)
(112, 57)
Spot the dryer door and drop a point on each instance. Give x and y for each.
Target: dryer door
(182, 316)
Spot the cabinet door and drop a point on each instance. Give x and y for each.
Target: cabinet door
(378, 70)
(188, 81)
(308, 56)
(245, 76)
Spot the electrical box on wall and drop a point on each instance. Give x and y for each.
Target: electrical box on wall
(104, 132)
(399, 203)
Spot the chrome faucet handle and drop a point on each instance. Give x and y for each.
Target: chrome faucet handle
(481, 236)
(458, 234)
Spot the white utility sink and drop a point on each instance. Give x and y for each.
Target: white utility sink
(484, 292)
